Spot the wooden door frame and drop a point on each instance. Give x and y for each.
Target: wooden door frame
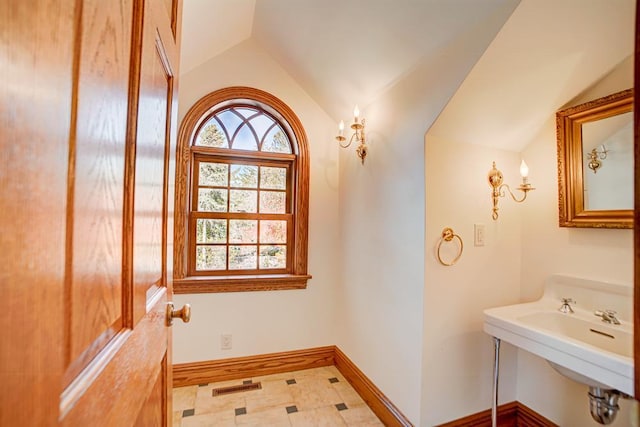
(636, 214)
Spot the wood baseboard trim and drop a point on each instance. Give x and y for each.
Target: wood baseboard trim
(185, 374)
(380, 404)
(512, 414)
(527, 417)
(252, 366)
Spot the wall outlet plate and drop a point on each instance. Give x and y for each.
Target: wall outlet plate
(226, 341)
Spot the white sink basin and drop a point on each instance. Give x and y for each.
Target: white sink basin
(579, 345)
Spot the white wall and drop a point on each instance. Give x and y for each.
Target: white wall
(458, 355)
(264, 322)
(600, 254)
(382, 209)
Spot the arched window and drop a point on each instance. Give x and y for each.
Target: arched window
(241, 195)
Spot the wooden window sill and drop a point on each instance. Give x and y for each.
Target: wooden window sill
(214, 284)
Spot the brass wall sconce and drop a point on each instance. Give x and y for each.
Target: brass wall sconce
(595, 158)
(358, 135)
(495, 180)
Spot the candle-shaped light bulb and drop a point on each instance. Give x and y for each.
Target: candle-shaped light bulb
(356, 113)
(340, 127)
(524, 170)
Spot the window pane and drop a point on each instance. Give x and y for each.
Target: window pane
(214, 174)
(273, 231)
(243, 231)
(212, 200)
(245, 140)
(272, 202)
(211, 258)
(262, 124)
(273, 178)
(247, 112)
(243, 258)
(245, 176)
(243, 201)
(230, 121)
(276, 141)
(211, 231)
(273, 256)
(212, 136)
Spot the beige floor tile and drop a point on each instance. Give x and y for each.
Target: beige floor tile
(313, 392)
(360, 415)
(336, 373)
(273, 417)
(225, 404)
(321, 372)
(273, 394)
(207, 388)
(313, 395)
(206, 391)
(184, 397)
(210, 420)
(274, 377)
(327, 416)
(347, 394)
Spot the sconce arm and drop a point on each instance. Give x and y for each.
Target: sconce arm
(515, 199)
(348, 144)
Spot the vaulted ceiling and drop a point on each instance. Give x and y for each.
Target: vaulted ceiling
(350, 51)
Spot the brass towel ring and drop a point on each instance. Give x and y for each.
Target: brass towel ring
(447, 236)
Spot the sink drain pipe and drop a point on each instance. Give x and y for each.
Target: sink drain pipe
(603, 404)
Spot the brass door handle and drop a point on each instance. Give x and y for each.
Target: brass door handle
(184, 313)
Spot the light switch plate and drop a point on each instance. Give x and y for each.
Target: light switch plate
(478, 234)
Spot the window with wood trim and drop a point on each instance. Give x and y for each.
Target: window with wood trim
(241, 195)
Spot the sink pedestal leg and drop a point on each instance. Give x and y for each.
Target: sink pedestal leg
(494, 403)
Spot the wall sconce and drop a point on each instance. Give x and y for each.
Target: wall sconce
(495, 180)
(595, 156)
(358, 135)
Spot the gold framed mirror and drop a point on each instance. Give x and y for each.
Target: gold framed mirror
(595, 163)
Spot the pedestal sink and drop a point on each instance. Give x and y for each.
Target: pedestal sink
(579, 345)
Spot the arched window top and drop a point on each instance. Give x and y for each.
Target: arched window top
(242, 195)
(243, 128)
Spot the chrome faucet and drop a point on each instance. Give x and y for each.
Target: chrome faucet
(608, 316)
(566, 307)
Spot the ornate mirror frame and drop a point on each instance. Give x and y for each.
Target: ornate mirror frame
(570, 163)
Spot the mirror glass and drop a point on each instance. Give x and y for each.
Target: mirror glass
(595, 163)
(607, 147)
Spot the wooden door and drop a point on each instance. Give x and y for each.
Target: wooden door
(636, 214)
(86, 173)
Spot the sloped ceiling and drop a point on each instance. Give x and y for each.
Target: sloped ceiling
(547, 53)
(344, 52)
(209, 27)
(348, 52)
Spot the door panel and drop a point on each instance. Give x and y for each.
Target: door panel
(152, 154)
(117, 394)
(87, 194)
(36, 47)
(96, 191)
(152, 413)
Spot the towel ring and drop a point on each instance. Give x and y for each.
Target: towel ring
(447, 236)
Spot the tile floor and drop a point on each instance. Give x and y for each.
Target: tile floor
(312, 397)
